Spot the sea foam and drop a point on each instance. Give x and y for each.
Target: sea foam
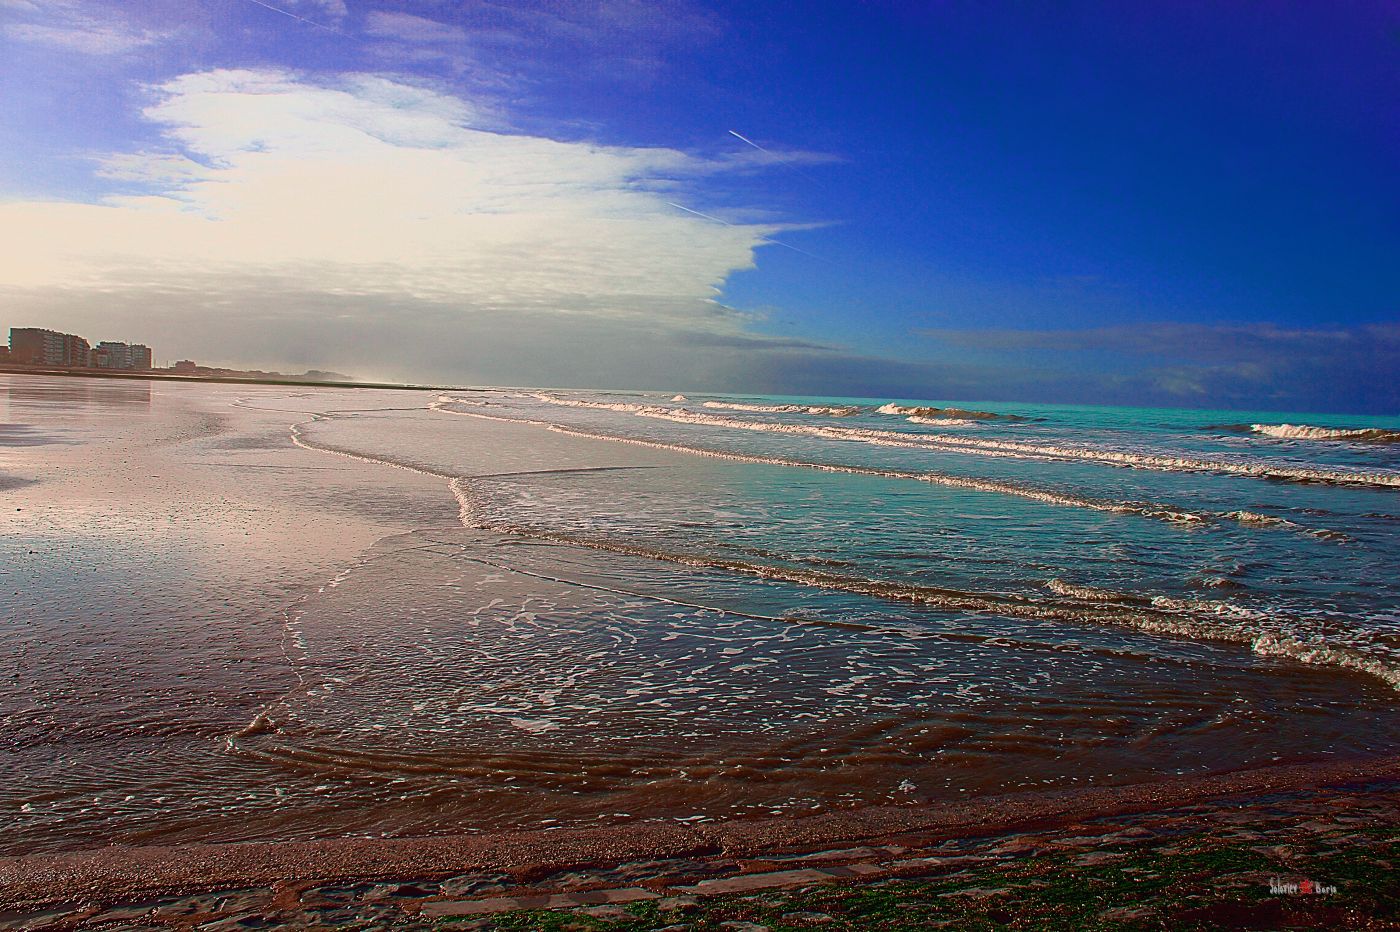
(1309, 432)
(985, 446)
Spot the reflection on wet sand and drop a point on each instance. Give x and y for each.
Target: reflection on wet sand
(55, 396)
(216, 634)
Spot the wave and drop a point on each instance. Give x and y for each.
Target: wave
(299, 439)
(1152, 510)
(1308, 432)
(1161, 615)
(624, 406)
(1188, 618)
(930, 415)
(1143, 509)
(828, 411)
(945, 422)
(1083, 593)
(1311, 432)
(1006, 448)
(1263, 520)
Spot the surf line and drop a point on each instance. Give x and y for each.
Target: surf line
(1181, 620)
(1157, 621)
(646, 596)
(1152, 510)
(998, 448)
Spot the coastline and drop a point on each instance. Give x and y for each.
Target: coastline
(154, 376)
(241, 444)
(106, 877)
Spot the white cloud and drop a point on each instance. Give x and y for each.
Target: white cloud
(375, 189)
(405, 27)
(89, 36)
(330, 9)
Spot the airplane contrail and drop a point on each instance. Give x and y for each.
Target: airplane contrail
(742, 137)
(766, 239)
(697, 213)
(309, 22)
(777, 155)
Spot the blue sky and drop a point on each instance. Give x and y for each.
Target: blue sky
(1191, 204)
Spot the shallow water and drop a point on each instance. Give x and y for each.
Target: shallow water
(238, 612)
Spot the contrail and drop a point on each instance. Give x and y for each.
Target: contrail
(766, 239)
(698, 214)
(742, 137)
(309, 22)
(777, 155)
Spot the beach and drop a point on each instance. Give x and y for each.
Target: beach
(360, 620)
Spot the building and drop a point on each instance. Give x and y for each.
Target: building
(112, 355)
(185, 367)
(36, 346)
(76, 351)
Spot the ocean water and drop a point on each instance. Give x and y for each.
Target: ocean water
(1277, 531)
(242, 612)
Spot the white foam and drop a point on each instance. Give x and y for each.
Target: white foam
(1196, 619)
(828, 411)
(1161, 615)
(1007, 448)
(927, 414)
(1309, 432)
(944, 421)
(1159, 512)
(1328, 655)
(1087, 593)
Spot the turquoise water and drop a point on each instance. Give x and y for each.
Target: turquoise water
(1280, 531)
(704, 607)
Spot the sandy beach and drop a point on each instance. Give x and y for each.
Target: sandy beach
(280, 638)
(1296, 815)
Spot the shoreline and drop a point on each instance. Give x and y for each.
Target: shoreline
(533, 865)
(155, 376)
(118, 874)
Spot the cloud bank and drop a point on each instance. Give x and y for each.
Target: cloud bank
(332, 202)
(1259, 365)
(71, 26)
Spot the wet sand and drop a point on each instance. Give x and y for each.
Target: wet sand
(242, 617)
(109, 877)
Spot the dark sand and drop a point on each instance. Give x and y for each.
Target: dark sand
(117, 874)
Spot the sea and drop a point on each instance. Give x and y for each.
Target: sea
(498, 608)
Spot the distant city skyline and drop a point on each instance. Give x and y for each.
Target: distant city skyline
(1170, 205)
(40, 346)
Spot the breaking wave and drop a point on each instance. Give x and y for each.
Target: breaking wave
(945, 422)
(1144, 509)
(1263, 520)
(1152, 510)
(1310, 432)
(1307, 432)
(929, 415)
(1266, 635)
(832, 411)
(983, 446)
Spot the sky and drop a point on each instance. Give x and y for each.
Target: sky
(1185, 204)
